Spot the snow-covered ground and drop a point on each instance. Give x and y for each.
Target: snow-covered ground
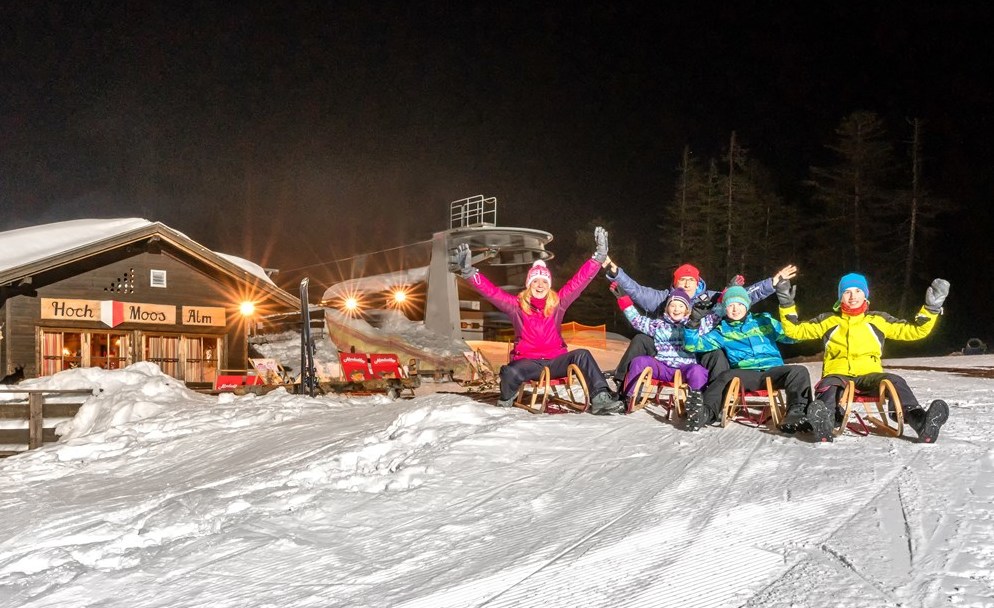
(157, 496)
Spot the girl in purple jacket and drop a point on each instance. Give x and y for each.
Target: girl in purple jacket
(536, 314)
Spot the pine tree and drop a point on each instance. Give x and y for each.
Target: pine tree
(684, 226)
(753, 223)
(919, 211)
(734, 160)
(685, 202)
(710, 255)
(854, 194)
(768, 223)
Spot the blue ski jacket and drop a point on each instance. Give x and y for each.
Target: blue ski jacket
(748, 344)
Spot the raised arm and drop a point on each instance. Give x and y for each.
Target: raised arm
(767, 287)
(646, 298)
(792, 326)
(462, 264)
(640, 323)
(935, 297)
(571, 290)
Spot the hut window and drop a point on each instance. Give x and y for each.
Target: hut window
(158, 278)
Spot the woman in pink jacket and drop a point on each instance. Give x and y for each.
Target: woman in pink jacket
(536, 314)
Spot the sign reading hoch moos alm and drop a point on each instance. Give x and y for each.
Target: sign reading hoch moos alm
(108, 312)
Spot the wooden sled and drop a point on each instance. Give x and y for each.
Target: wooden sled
(550, 395)
(379, 373)
(394, 388)
(272, 373)
(874, 411)
(481, 374)
(435, 375)
(668, 395)
(754, 408)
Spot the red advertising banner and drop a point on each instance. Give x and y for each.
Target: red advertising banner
(229, 382)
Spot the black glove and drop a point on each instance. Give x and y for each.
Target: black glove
(935, 295)
(600, 244)
(702, 306)
(786, 293)
(703, 301)
(462, 262)
(616, 289)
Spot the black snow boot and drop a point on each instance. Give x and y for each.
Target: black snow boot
(821, 420)
(604, 403)
(928, 422)
(698, 416)
(795, 420)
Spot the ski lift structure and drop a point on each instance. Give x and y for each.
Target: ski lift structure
(424, 267)
(416, 280)
(510, 250)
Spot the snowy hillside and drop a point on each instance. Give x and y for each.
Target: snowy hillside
(161, 497)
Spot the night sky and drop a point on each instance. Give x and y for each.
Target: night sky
(296, 135)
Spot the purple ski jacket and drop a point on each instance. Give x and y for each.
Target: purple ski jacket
(535, 335)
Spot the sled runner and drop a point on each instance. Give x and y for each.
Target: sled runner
(554, 395)
(668, 395)
(754, 408)
(874, 408)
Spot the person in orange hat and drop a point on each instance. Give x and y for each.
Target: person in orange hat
(688, 278)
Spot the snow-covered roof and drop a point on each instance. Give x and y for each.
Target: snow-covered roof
(248, 266)
(26, 246)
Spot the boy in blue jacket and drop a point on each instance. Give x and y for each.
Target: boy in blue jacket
(749, 341)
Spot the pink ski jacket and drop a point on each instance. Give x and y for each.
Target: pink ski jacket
(535, 335)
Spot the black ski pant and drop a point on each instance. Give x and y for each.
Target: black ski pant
(793, 379)
(830, 389)
(715, 361)
(519, 371)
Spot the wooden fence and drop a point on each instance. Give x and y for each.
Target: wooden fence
(29, 418)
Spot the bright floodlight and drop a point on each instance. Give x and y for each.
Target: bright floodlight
(351, 304)
(247, 308)
(399, 296)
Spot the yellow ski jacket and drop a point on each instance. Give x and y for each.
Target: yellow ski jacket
(853, 345)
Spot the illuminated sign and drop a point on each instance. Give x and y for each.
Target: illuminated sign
(108, 312)
(204, 315)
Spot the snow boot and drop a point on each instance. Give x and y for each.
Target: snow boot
(505, 402)
(604, 403)
(927, 423)
(821, 421)
(698, 416)
(795, 419)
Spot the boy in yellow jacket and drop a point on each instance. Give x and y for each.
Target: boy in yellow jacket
(853, 339)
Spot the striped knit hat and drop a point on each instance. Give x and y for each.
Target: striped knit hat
(680, 296)
(538, 271)
(737, 294)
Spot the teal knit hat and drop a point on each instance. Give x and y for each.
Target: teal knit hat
(738, 294)
(854, 280)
